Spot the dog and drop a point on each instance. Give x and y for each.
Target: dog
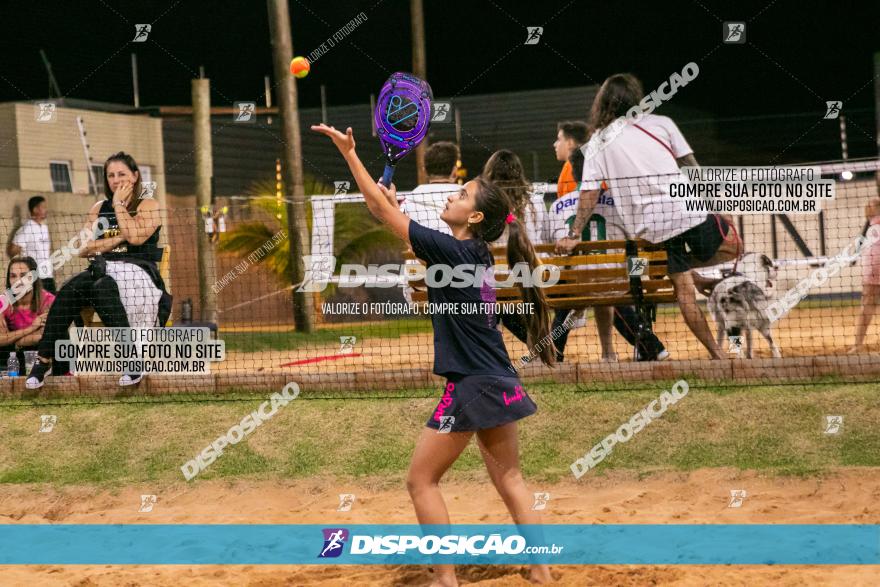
(739, 303)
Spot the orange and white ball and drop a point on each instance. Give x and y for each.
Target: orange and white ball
(299, 66)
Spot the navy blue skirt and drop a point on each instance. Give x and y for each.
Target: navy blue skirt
(478, 402)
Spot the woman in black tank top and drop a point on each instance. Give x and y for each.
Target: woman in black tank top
(122, 282)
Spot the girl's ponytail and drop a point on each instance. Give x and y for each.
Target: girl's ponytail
(520, 250)
(497, 208)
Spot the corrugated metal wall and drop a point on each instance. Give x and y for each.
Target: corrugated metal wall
(244, 153)
(522, 121)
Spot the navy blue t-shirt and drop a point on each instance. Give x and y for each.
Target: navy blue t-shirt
(470, 342)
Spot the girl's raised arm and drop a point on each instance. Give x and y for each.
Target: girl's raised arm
(381, 201)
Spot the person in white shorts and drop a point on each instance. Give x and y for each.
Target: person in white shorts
(636, 167)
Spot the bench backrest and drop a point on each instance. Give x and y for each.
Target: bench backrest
(594, 275)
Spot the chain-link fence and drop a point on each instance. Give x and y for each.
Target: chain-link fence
(791, 303)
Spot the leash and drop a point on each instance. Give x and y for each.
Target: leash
(739, 251)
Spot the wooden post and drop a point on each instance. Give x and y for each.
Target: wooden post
(420, 68)
(204, 164)
(134, 81)
(282, 53)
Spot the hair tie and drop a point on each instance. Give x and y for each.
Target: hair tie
(510, 218)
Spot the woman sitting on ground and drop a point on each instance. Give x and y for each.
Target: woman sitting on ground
(122, 282)
(23, 319)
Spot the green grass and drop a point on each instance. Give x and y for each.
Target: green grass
(777, 430)
(280, 341)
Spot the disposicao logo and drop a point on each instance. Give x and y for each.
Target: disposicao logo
(334, 541)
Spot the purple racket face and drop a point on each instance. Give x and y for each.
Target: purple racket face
(403, 114)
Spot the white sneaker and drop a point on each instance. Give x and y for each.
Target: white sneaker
(130, 379)
(664, 354)
(609, 359)
(37, 376)
(33, 383)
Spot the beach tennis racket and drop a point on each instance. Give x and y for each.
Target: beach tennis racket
(402, 115)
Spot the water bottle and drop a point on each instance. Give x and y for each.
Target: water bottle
(12, 365)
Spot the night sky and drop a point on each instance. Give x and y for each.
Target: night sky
(795, 58)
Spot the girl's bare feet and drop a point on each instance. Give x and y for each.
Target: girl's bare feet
(856, 350)
(444, 576)
(540, 574)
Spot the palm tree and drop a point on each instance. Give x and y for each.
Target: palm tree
(358, 237)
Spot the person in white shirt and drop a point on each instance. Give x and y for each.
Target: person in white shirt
(32, 240)
(425, 203)
(604, 224)
(635, 167)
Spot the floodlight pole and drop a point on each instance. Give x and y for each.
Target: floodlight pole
(420, 69)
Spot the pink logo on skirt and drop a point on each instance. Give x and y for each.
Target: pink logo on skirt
(445, 401)
(519, 394)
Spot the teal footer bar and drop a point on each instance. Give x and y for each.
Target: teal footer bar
(286, 544)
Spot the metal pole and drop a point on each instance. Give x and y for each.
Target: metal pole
(93, 181)
(204, 165)
(373, 109)
(282, 49)
(774, 243)
(267, 88)
(134, 80)
(54, 90)
(323, 103)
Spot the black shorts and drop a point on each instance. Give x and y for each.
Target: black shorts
(478, 402)
(695, 245)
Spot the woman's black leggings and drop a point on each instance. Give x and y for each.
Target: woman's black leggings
(626, 322)
(81, 291)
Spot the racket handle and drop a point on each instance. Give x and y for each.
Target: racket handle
(387, 175)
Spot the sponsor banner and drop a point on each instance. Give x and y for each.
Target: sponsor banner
(647, 544)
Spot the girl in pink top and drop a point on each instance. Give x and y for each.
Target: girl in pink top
(870, 276)
(22, 323)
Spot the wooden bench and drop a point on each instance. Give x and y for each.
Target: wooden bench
(595, 274)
